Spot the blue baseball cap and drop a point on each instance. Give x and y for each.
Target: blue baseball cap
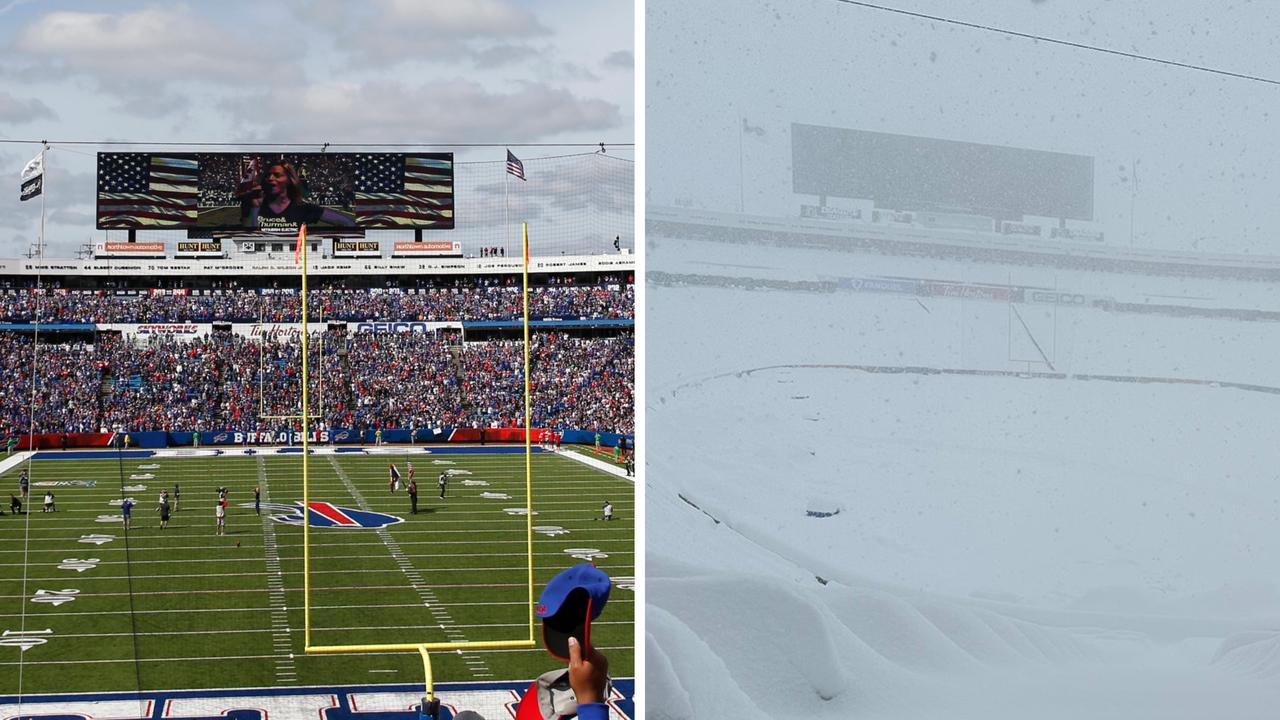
(569, 602)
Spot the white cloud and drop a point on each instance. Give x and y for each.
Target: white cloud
(77, 218)
(16, 110)
(624, 59)
(500, 55)
(140, 50)
(385, 32)
(475, 18)
(445, 111)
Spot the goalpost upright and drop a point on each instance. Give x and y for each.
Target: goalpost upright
(421, 647)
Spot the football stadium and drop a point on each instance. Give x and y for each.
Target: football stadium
(268, 461)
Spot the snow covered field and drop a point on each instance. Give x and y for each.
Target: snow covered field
(825, 542)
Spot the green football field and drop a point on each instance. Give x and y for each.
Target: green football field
(185, 608)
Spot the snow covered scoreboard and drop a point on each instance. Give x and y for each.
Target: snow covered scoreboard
(947, 177)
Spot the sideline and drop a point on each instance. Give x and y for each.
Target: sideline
(14, 461)
(604, 465)
(254, 451)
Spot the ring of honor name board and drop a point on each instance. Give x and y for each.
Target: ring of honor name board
(274, 192)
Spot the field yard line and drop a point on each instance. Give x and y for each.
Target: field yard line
(280, 634)
(330, 557)
(115, 661)
(57, 578)
(289, 662)
(173, 548)
(341, 588)
(429, 599)
(187, 611)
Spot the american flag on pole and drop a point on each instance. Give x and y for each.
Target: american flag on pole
(514, 166)
(140, 190)
(400, 191)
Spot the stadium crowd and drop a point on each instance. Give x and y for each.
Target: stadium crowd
(471, 301)
(362, 381)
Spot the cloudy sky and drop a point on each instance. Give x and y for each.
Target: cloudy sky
(1208, 165)
(386, 71)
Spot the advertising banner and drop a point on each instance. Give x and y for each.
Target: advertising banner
(1017, 228)
(357, 248)
(133, 250)
(182, 330)
(971, 292)
(824, 212)
(385, 328)
(199, 249)
(427, 248)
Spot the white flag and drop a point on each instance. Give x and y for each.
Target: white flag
(32, 178)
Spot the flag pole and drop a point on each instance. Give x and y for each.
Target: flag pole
(44, 149)
(31, 426)
(528, 447)
(301, 255)
(506, 207)
(742, 181)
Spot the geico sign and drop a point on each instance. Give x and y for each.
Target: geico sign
(392, 327)
(1057, 298)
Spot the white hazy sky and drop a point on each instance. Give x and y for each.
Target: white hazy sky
(1205, 144)
(411, 71)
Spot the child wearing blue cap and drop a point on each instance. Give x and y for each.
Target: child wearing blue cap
(568, 604)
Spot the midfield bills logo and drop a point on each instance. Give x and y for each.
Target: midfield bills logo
(328, 515)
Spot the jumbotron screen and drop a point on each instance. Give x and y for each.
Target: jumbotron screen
(274, 191)
(903, 172)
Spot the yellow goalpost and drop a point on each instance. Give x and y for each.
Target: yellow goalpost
(421, 647)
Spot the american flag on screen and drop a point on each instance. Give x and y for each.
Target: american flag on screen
(395, 190)
(140, 190)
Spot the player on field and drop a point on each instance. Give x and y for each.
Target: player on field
(126, 508)
(48, 503)
(608, 511)
(413, 495)
(443, 482)
(163, 509)
(221, 515)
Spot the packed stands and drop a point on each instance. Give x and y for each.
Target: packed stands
(443, 300)
(360, 381)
